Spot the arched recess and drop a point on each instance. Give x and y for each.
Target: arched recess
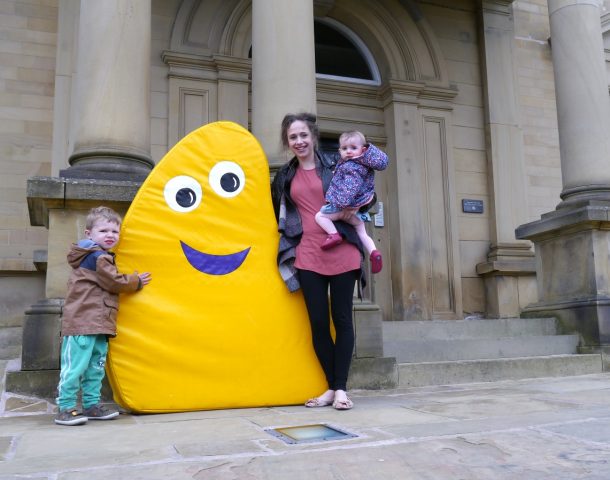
(209, 68)
(208, 27)
(399, 37)
(409, 114)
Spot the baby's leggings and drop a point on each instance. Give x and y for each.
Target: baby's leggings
(83, 358)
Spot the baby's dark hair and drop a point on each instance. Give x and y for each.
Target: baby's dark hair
(104, 213)
(310, 121)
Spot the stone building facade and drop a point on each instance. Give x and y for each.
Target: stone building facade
(474, 100)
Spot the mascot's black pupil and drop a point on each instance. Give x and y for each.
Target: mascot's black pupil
(229, 182)
(185, 197)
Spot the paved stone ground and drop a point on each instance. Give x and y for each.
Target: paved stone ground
(538, 429)
(16, 405)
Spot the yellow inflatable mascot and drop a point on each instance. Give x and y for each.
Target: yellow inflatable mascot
(217, 327)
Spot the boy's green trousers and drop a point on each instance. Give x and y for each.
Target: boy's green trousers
(83, 358)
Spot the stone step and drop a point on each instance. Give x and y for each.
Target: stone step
(10, 342)
(438, 350)
(466, 329)
(490, 370)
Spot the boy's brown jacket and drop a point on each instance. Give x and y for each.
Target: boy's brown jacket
(92, 300)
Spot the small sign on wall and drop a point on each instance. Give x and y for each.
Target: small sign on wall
(378, 218)
(472, 206)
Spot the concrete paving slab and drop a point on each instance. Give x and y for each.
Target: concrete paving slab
(492, 424)
(593, 430)
(539, 429)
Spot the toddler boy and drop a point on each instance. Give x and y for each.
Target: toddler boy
(89, 317)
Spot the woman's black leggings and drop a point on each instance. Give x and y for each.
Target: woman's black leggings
(335, 357)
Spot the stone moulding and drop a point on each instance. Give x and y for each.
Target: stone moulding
(45, 193)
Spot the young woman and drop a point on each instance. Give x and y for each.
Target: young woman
(298, 194)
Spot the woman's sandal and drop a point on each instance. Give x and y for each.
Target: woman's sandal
(346, 404)
(317, 402)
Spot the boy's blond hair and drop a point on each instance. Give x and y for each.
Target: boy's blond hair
(352, 134)
(98, 213)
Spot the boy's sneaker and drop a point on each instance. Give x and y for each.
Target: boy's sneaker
(70, 417)
(100, 412)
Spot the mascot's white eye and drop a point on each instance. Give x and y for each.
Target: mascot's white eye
(183, 193)
(227, 179)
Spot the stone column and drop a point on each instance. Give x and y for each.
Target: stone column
(510, 262)
(111, 113)
(110, 131)
(583, 109)
(283, 68)
(67, 28)
(573, 242)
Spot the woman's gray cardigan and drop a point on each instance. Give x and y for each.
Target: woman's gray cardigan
(289, 220)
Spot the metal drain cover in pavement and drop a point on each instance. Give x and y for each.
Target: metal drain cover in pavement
(309, 433)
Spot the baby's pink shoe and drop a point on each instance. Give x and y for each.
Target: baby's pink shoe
(332, 240)
(376, 262)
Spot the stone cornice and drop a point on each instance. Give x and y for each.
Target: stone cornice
(514, 258)
(507, 267)
(188, 65)
(45, 193)
(502, 7)
(594, 216)
(346, 89)
(416, 92)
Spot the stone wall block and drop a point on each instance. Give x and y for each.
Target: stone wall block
(41, 336)
(369, 336)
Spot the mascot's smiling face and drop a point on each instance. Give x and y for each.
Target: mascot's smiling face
(217, 320)
(199, 207)
(183, 194)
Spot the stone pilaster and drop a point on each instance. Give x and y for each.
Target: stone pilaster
(573, 242)
(510, 262)
(426, 277)
(275, 48)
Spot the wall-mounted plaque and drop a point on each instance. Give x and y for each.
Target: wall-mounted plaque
(472, 206)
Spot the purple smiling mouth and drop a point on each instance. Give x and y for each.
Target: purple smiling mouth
(214, 264)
